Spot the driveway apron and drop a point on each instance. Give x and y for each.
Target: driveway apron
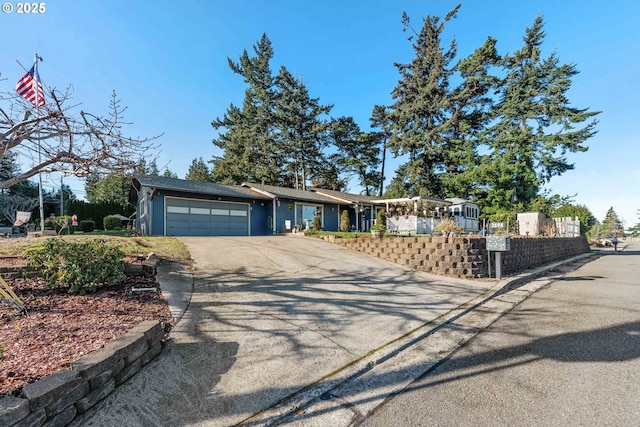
(270, 316)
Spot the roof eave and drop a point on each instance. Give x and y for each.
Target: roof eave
(263, 192)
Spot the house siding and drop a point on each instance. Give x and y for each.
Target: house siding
(285, 210)
(154, 217)
(157, 215)
(260, 210)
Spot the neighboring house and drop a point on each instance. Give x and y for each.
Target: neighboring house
(176, 207)
(465, 214)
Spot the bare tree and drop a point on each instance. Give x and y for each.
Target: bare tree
(59, 139)
(11, 203)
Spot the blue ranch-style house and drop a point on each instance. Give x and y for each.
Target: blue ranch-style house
(177, 207)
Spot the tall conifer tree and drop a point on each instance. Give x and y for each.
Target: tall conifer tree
(249, 138)
(420, 116)
(303, 129)
(380, 120)
(534, 125)
(470, 113)
(198, 171)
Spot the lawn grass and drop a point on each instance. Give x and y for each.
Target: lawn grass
(167, 248)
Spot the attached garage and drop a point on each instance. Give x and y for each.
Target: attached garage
(189, 217)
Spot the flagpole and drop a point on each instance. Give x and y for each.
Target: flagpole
(35, 76)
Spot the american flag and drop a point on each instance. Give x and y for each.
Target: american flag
(26, 88)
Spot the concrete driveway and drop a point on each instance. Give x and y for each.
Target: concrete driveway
(271, 317)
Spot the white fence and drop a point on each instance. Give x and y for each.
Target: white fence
(567, 227)
(411, 224)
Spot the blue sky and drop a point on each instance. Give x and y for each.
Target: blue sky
(167, 60)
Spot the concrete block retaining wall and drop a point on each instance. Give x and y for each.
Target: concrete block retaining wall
(530, 252)
(454, 256)
(58, 398)
(465, 257)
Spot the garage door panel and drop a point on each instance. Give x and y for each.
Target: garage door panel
(201, 218)
(178, 217)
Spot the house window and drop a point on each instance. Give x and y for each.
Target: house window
(143, 207)
(306, 213)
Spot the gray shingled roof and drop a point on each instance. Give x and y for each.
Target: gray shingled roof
(290, 193)
(251, 190)
(351, 198)
(199, 187)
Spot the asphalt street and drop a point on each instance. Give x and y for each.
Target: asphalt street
(569, 355)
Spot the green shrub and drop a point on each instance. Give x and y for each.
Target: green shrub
(87, 226)
(81, 266)
(317, 224)
(381, 219)
(345, 223)
(110, 222)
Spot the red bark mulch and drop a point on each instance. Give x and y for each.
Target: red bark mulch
(60, 328)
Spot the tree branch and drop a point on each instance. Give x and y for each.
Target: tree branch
(74, 144)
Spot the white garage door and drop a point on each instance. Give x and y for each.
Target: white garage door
(186, 217)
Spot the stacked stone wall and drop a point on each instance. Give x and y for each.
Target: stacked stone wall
(531, 252)
(16, 272)
(58, 398)
(453, 256)
(465, 257)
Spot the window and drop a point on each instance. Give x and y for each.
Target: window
(200, 211)
(143, 207)
(306, 213)
(178, 209)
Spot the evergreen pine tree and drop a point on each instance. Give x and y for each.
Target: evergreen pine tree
(534, 125)
(198, 171)
(420, 116)
(169, 173)
(358, 153)
(469, 115)
(248, 138)
(380, 120)
(110, 189)
(303, 130)
(612, 225)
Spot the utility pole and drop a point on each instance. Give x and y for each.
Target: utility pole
(61, 198)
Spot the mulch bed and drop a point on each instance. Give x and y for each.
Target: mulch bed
(60, 328)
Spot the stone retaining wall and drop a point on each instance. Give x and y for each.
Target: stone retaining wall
(453, 256)
(58, 398)
(465, 257)
(10, 272)
(530, 252)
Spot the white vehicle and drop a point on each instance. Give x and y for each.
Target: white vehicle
(608, 241)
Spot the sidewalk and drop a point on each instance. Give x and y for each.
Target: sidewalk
(274, 324)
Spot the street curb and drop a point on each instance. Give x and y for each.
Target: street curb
(305, 397)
